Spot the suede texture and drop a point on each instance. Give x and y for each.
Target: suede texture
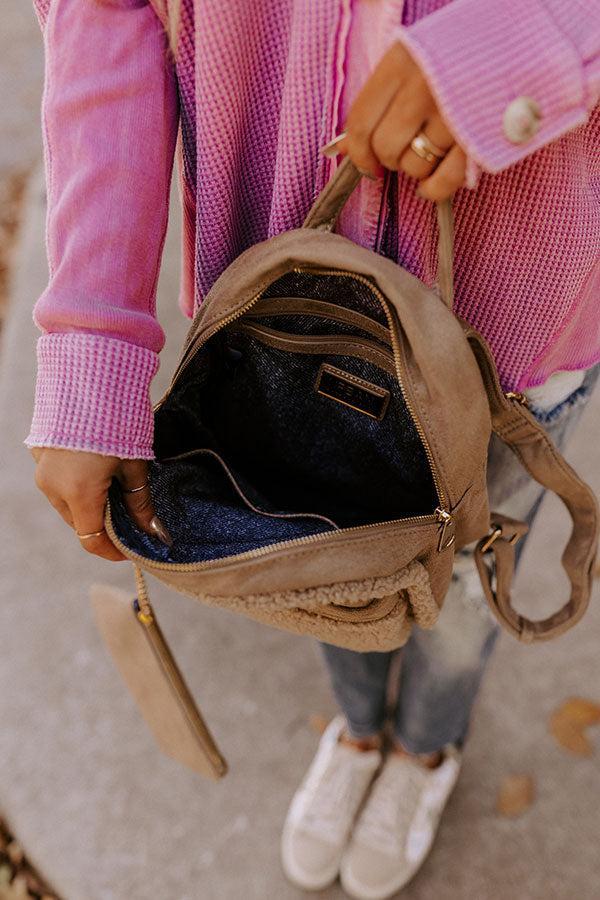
(288, 505)
(310, 494)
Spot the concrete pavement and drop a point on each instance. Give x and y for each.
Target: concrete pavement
(21, 69)
(106, 817)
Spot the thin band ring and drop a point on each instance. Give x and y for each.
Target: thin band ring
(135, 489)
(90, 534)
(426, 149)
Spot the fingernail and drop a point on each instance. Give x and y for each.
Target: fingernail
(330, 149)
(161, 532)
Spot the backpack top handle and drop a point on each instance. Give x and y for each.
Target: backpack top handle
(325, 211)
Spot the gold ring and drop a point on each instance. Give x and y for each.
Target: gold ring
(426, 149)
(90, 534)
(136, 489)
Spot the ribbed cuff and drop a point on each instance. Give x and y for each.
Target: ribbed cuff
(93, 394)
(478, 56)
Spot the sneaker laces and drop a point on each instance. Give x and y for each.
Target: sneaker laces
(390, 811)
(333, 798)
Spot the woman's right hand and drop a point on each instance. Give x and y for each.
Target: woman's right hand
(76, 483)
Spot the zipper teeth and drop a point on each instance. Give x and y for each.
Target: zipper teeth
(396, 351)
(317, 339)
(222, 323)
(310, 538)
(251, 554)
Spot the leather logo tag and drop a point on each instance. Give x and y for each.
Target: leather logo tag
(352, 391)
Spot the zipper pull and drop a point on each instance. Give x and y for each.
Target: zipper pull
(447, 536)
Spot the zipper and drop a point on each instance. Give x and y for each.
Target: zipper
(441, 515)
(397, 359)
(313, 343)
(233, 481)
(320, 309)
(447, 535)
(258, 551)
(196, 344)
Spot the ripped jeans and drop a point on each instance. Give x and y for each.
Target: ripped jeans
(441, 669)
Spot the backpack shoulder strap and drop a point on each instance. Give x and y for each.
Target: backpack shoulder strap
(514, 425)
(519, 430)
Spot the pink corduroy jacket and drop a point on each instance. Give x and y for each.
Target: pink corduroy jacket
(258, 87)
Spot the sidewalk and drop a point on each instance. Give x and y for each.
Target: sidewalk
(21, 70)
(105, 817)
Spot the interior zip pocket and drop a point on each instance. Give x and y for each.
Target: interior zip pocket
(302, 306)
(235, 483)
(322, 344)
(318, 422)
(211, 511)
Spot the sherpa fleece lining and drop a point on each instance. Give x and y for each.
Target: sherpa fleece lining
(354, 594)
(416, 604)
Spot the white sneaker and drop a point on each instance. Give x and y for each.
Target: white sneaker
(397, 826)
(323, 810)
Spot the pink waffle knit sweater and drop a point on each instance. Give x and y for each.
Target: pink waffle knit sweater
(258, 87)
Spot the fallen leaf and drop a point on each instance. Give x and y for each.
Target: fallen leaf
(318, 723)
(15, 853)
(34, 885)
(569, 722)
(16, 890)
(515, 795)
(18, 881)
(19, 887)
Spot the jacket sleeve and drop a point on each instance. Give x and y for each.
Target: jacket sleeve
(491, 63)
(110, 119)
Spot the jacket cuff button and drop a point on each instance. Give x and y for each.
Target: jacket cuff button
(521, 121)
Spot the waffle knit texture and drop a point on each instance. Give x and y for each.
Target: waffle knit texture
(257, 89)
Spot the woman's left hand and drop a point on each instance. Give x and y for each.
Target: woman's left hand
(393, 107)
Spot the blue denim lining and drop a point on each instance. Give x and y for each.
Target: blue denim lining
(289, 448)
(204, 515)
(306, 451)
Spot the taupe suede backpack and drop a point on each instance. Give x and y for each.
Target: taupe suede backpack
(321, 453)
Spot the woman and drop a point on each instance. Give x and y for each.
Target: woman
(496, 103)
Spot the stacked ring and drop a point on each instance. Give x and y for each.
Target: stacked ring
(426, 149)
(90, 534)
